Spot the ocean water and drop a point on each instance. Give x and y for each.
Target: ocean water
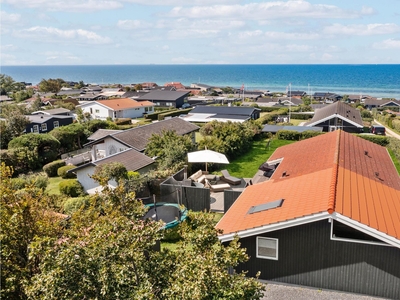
(374, 80)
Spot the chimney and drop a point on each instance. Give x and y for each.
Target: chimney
(184, 172)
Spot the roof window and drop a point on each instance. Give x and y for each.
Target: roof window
(265, 206)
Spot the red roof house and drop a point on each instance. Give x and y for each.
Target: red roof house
(329, 217)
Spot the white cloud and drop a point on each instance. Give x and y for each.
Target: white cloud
(59, 56)
(269, 10)
(133, 24)
(8, 47)
(362, 29)
(96, 5)
(83, 6)
(291, 35)
(187, 33)
(388, 44)
(181, 23)
(9, 18)
(51, 34)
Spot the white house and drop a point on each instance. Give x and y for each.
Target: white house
(117, 108)
(132, 160)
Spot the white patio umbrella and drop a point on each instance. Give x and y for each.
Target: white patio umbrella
(207, 156)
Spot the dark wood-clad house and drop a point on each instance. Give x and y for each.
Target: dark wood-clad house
(165, 98)
(338, 115)
(329, 217)
(41, 123)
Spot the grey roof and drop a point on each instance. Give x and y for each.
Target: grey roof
(54, 111)
(224, 110)
(163, 95)
(276, 128)
(382, 102)
(100, 133)
(44, 118)
(132, 160)
(338, 108)
(138, 137)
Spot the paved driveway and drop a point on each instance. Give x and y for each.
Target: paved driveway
(291, 292)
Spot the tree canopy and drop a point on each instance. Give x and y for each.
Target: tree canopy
(51, 85)
(170, 149)
(108, 251)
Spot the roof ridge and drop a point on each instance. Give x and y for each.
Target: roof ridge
(333, 185)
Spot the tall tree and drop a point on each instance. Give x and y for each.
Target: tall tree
(51, 85)
(25, 215)
(169, 148)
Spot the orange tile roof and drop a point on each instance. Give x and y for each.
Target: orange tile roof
(330, 173)
(124, 103)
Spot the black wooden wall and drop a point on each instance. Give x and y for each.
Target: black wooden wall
(308, 257)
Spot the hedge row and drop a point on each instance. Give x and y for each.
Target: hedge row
(295, 135)
(380, 140)
(51, 168)
(63, 172)
(174, 113)
(71, 188)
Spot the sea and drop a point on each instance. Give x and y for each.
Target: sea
(382, 81)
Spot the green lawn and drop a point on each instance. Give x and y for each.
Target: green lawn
(394, 159)
(52, 188)
(247, 165)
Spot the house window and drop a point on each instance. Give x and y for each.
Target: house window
(44, 127)
(36, 128)
(146, 109)
(56, 124)
(267, 248)
(97, 111)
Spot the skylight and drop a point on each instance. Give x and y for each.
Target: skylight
(265, 206)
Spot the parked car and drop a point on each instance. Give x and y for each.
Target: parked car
(378, 129)
(185, 105)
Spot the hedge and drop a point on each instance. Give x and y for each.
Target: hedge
(295, 135)
(62, 172)
(123, 121)
(74, 204)
(51, 168)
(173, 113)
(71, 188)
(380, 140)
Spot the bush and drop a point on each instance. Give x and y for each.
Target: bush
(123, 121)
(380, 140)
(172, 235)
(288, 135)
(39, 181)
(63, 172)
(71, 188)
(52, 168)
(296, 136)
(74, 204)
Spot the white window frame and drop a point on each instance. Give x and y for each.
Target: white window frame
(276, 250)
(56, 124)
(97, 111)
(43, 126)
(36, 128)
(349, 240)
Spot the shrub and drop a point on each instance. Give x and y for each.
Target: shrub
(63, 172)
(74, 204)
(309, 134)
(288, 135)
(71, 188)
(123, 121)
(172, 235)
(380, 140)
(39, 181)
(52, 168)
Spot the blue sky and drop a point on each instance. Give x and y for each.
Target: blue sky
(78, 32)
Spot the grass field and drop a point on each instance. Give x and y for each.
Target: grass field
(247, 165)
(52, 188)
